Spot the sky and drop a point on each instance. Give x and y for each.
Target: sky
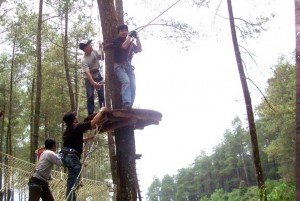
(198, 91)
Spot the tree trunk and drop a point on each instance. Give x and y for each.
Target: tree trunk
(76, 77)
(120, 11)
(32, 115)
(36, 121)
(2, 136)
(66, 63)
(125, 180)
(9, 132)
(109, 25)
(297, 139)
(252, 129)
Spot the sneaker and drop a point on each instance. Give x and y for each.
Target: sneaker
(126, 106)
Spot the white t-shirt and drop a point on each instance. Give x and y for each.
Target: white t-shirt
(45, 164)
(91, 62)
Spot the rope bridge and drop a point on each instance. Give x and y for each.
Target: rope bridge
(15, 173)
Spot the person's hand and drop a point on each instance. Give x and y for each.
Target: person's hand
(103, 109)
(101, 45)
(96, 85)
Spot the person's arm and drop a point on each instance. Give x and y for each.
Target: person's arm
(94, 121)
(127, 42)
(138, 44)
(55, 159)
(91, 80)
(98, 116)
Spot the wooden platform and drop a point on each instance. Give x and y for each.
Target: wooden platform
(139, 118)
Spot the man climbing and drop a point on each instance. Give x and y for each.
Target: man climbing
(72, 147)
(39, 182)
(124, 49)
(91, 73)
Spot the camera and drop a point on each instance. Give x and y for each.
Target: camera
(133, 34)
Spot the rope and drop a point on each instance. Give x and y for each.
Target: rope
(143, 27)
(16, 172)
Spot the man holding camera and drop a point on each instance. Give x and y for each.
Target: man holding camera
(124, 49)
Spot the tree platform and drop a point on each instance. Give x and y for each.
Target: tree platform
(117, 118)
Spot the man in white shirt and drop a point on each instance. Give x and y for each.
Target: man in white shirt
(39, 182)
(91, 73)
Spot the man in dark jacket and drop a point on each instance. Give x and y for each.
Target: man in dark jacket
(72, 147)
(124, 48)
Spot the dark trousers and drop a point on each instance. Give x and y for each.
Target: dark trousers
(90, 95)
(39, 189)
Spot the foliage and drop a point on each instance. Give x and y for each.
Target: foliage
(277, 118)
(168, 189)
(154, 189)
(281, 190)
(228, 173)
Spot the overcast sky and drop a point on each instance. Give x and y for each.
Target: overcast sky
(199, 91)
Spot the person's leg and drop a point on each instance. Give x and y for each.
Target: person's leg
(100, 93)
(131, 75)
(125, 84)
(35, 190)
(73, 164)
(89, 96)
(46, 193)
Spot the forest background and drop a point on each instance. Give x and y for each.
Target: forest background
(199, 100)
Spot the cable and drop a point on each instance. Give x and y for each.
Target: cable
(143, 27)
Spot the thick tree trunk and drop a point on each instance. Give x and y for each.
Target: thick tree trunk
(297, 139)
(38, 97)
(109, 25)
(252, 129)
(124, 176)
(120, 11)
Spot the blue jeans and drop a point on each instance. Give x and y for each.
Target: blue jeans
(90, 94)
(72, 162)
(125, 74)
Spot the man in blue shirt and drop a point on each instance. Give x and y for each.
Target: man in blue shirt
(124, 49)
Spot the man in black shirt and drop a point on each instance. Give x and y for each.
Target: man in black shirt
(72, 147)
(124, 49)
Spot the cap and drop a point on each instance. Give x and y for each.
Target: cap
(83, 43)
(69, 118)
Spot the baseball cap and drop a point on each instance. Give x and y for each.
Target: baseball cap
(83, 43)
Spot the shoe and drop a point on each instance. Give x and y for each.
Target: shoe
(126, 106)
